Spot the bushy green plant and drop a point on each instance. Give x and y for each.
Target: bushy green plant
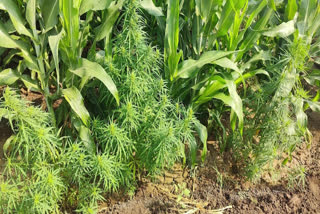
(41, 170)
(31, 172)
(276, 121)
(148, 131)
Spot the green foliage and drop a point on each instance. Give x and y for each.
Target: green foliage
(276, 119)
(32, 152)
(132, 77)
(51, 51)
(41, 169)
(147, 132)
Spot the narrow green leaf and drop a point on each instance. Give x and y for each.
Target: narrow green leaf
(31, 13)
(301, 116)
(71, 22)
(212, 87)
(3, 113)
(50, 12)
(90, 70)
(272, 5)
(283, 30)
(203, 135)
(8, 142)
(238, 4)
(54, 46)
(171, 55)
(149, 6)
(226, 19)
(251, 74)
(291, 9)
(234, 101)
(74, 98)
(305, 10)
(8, 77)
(30, 83)
(87, 139)
(252, 36)
(7, 42)
(189, 68)
(227, 63)
(87, 5)
(205, 8)
(15, 15)
(262, 55)
(315, 106)
(104, 30)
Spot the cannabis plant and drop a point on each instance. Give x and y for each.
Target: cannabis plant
(276, 119)
(43, 173)
(148, 132)
(31, 180)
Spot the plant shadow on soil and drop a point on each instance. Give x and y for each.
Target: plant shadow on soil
(206, 194)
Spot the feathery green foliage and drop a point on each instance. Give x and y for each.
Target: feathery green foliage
(147, 132)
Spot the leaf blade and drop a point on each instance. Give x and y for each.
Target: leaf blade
(88, 69)
(74, 98)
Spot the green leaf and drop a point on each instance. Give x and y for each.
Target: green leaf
(30, 83)
(252, 36)
(54, 46)
(212, 87)
(7, 42)
(262, 55)
(315, 106)
(203, 135)
(3, 113)
(235, 105)
(74, 98)
(313, 77)
(8, 77)
(8, 142)
(31, 13)
(233, 100)
(189, 68)
(283, 30)
(87, 139)
(104, 30)
(238, 4)
(227, 63)
(291, 9)
(226, 19)
(50, 12)
(88, 70)
(251, 74)
(301, 116)
(171, 55)
(272, 5)
(305, 10)
(149, 6)
(206, 8)
(71, 23)
(15, 16)
(87, 5)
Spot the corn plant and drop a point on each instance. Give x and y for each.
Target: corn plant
(210, 61)
(47, 52)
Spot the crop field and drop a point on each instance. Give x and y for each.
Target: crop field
(159, 106)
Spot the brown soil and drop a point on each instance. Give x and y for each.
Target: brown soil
(236, 196)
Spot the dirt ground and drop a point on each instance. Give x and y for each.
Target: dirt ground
(208, 191)
(207, 196)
